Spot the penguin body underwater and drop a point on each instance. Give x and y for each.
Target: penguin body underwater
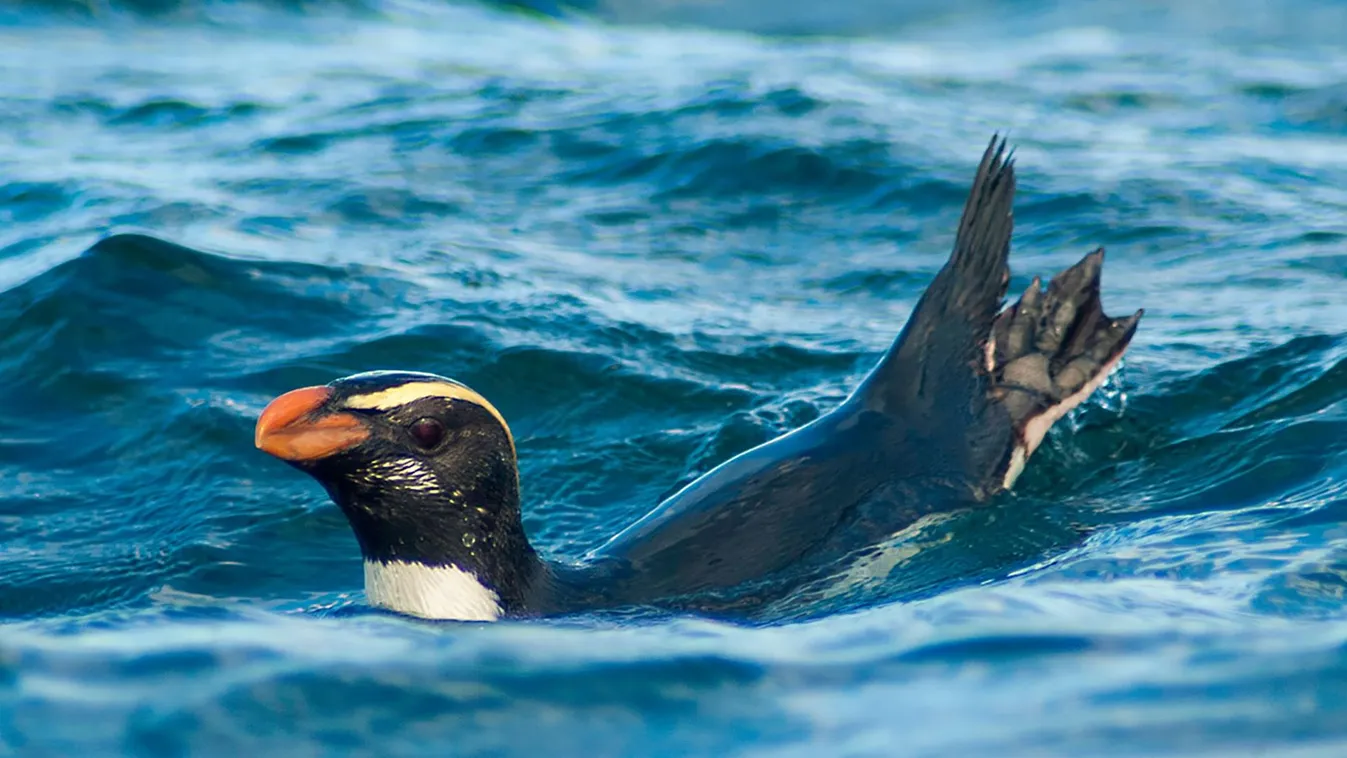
(425, 470)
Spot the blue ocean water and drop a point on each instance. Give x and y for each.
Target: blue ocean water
(655, 234)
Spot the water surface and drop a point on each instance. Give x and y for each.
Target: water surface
(653, 236)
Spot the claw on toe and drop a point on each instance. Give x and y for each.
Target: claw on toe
(1049, 351)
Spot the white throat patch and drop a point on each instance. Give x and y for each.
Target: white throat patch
(430, 592)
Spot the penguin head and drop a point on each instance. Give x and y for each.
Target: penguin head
(422, 466)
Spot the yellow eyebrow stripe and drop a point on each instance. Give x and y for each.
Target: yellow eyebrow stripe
(385, 400)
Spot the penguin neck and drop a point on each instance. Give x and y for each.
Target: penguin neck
(444, 553)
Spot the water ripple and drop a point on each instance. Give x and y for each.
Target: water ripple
(653, 247)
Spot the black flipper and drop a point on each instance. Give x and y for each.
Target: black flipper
(979, 389)
(933, 382)
(938, 424)
(932, 359)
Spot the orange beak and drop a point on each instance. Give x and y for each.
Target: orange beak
(291, 429)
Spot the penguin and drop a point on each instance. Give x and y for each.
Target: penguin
(425, 469)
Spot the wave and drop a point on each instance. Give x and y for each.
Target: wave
(139, 351)
(155, 347)
(166, 681)
(1243, 21)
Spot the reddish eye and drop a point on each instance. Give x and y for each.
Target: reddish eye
(427, 432)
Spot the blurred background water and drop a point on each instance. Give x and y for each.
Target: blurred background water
(655, 234)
